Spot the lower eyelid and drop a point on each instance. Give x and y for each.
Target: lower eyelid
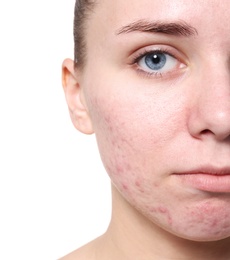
(145, 74)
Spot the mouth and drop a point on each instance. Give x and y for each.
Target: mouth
(209, 179)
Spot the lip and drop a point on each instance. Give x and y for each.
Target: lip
(209, 179)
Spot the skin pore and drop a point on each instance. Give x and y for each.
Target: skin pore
(155, 90)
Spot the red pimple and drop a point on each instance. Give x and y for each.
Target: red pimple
(162, 210)
(125, 187)
(137, 183)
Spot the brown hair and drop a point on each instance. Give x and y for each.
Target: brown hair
(82, 10)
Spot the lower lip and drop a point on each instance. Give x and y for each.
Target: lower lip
(206, 182)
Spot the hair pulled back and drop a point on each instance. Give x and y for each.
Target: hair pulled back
(83, 8)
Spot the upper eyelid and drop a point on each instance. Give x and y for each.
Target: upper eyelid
(138, 58)
(167, 49)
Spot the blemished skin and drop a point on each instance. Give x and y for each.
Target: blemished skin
(158, 100)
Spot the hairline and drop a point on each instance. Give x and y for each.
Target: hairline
(82, 13)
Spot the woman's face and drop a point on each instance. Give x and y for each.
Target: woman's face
(157, 86)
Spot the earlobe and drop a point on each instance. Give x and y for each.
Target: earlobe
(75, 98)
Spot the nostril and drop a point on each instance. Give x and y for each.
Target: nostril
(206, 131)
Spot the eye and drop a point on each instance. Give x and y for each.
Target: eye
(157, 61)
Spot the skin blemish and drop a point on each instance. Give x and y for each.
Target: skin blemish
(125, 187)
(156, 185)
(119, 169)
(210, 218)
(214, 223)
(162, 211)
(166, 213)
(139, 186)
(137, 183)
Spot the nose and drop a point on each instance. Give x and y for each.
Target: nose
(209, 115)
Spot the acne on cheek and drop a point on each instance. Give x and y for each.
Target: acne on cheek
(139, 196)
(120, 159)
(161, 213)
(119, 156)
(138, 185)
(118, 145)
(158, 211)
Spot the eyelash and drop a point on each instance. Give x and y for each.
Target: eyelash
(146, 52)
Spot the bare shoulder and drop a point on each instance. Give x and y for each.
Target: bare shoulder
(83, 253)
(86, 252)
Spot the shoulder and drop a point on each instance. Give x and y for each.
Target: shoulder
(86, 252)
(83, 253)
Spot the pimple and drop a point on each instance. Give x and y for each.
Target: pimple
(211, 217)
(137, 183)
(167, 214)
(170, 220)
(139, 186)
(125, 187)
(214, 223)
(119, 169)
(156, 185)
(162, 210)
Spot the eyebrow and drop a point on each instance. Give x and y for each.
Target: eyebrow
(179, 28)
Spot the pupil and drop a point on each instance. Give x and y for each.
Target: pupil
(156, 59)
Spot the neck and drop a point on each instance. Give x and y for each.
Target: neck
(132, 236)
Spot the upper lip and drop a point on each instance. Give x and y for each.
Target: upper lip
(209, 170)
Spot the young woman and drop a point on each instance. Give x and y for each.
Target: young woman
(151, 79)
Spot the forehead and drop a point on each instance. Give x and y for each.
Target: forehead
(109, 15)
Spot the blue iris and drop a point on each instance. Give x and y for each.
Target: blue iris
(156, 60)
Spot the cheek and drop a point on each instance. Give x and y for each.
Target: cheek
(134, 134)
(131, 137)
(138, 148)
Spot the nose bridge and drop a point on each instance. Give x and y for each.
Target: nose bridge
(212, 111)
(215, 89)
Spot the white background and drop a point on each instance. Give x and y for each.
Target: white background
(54, 192)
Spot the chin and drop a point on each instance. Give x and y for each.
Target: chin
(205, 229)
(204, 235)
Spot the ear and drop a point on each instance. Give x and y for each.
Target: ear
(75, 98)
